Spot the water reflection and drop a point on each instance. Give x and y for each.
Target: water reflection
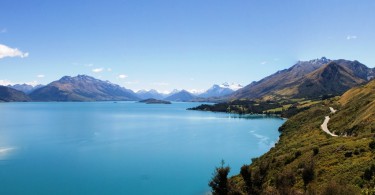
(5, 151)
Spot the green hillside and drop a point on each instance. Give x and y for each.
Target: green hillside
(306, 160)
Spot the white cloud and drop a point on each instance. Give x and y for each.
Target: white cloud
(122, 76)
(6, 51)
(161, 83)
(350, 37)
(109, 69)
(264, 62)
(89, 65)
(40, 75)
(5, 82)
(97, 70)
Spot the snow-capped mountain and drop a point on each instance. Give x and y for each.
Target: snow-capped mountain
(221, 90)
(188, 95)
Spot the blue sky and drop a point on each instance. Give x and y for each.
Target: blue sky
(167, 44)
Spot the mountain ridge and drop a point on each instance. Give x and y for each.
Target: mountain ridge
(291, 82)
(27, 89)
(82, 88)
(306, 160)
(181, 96)
(8, 94)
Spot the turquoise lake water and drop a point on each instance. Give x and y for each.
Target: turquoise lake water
(123, 148)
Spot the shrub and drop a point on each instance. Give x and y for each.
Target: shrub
(246, 175)
(286, 179)
(316, 151)
(308, 172)
(369, 173)
(372, 144)
(348, 154)
(297, 154)
(219, 181)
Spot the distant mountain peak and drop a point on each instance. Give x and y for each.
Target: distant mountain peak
(152, 93)
(224, 89)
(82, 88)
(182, 95)
(78, 77)
(25, 88)
(322, 60)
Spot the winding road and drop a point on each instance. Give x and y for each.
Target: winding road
(325, 123)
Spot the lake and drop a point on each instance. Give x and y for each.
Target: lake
(123, 148)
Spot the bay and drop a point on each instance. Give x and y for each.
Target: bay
(123, 148)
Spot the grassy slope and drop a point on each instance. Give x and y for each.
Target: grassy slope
(302, 133)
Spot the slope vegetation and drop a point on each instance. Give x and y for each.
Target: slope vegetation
(306, 160)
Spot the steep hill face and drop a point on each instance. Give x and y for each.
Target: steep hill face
(82, 88)
(333, 78)
(279, 80)
(306, 160)
(8, 94)
(182, 96)
(309, 79)
(357, 112)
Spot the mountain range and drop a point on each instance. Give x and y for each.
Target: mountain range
(86, 88)
(27, 89)
(82, 88)
(147, 94)
(306, 79)
(185, 95)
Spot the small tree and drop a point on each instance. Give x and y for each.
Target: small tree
(372, 144)
(308, 172)
(219, 180)
(246, 175)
